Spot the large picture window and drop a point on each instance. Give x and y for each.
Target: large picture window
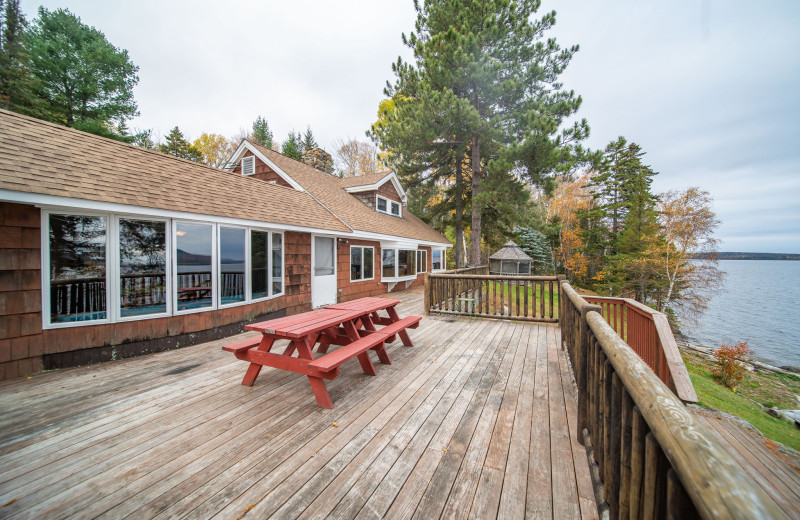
(194, 265)
(142, 267)
(361, 263)
(108, 268)
(77, 268)
(231, 265)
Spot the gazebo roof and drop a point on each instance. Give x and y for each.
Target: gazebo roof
(510, 251)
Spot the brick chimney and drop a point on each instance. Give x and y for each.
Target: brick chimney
(319, 159)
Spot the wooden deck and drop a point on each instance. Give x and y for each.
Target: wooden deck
(477, 420)
(778, 479)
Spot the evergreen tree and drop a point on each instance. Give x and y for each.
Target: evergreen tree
(17, 84)
(262, 135)
(292, 146)
(178, 146)
(483, 81)
(144, 139)
(308, 142)
(83, 79)
(536, 245)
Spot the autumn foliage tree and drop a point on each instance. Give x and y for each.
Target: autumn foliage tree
(355, 157)
(214, 149)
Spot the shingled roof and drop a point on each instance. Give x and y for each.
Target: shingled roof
(363, 180)
(510, 251)
(329, 191)
(47, 159)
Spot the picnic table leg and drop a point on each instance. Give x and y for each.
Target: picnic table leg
(363, 358)
(402, 333)
(380, 348)
(304, 351)
(254, 369)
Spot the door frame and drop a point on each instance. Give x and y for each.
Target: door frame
(335, 268)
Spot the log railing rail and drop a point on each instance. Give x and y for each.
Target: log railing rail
(526, 298)
(654, 458)
(648, 333)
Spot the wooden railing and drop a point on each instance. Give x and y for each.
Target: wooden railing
(648, 333)
(654, 458)
(476, 269)
(527, 298)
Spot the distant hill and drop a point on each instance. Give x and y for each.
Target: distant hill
(736, 255)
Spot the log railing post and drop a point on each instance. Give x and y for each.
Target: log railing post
(581, 361)
(427, 294)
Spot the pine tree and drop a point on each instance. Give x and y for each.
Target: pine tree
(17, 83)
(308, 142)
(178, 146)
(262, 135)
(292, 146)
(536, 245)
(483, 82)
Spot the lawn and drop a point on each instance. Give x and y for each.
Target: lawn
(757, 388)
(509, 296)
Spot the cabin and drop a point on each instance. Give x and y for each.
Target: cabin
(109, 251)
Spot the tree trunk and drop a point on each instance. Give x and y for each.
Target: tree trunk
(459, 210)
(475, 246)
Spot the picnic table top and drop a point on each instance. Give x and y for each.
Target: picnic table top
(368, 304)
(299, 325)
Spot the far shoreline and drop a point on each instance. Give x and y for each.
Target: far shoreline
(738, 255)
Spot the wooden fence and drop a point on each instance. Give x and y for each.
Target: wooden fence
(655, 459)
(648, 333)
(527, 298)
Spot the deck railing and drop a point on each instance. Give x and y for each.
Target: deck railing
(648, 333)
(527, 298)
(655, 459)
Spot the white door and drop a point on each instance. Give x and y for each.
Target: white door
(323, 275)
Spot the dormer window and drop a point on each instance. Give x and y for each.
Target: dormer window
(248, 165)
(390, 207)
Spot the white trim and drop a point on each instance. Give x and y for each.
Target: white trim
(425, 267)
(71, 205)
(443, 259)
(246, 145)
(363, 263)
(250, 159)
(397, 278)
(391, 176)
(335, 268)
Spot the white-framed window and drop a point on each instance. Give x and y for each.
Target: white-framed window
(422, 261)
(142, 266)
(390, 207)
(398, 264)
(108, 268)
(75, 268)
(249, 165)
(437, 259)
(362, 263)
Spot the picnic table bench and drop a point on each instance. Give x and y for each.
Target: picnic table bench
(350, 325)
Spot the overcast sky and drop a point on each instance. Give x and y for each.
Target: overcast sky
(709, 89)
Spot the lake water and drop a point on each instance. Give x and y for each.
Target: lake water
(757, 305)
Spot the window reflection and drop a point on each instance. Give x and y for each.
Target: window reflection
(231, 265)
(388, 263)
(277, 264)
(194, 270)
(259, 263)
(77, 268)
(143, 267)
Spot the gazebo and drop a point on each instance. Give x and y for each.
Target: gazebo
(510, 260)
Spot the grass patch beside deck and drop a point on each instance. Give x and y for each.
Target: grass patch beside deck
(757, 388)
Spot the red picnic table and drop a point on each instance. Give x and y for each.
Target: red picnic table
(351, 325)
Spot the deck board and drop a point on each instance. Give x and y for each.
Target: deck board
(476, 420)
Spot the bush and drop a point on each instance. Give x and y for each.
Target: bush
(730, 370)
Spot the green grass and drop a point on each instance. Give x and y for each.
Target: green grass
(766, 389)
(534, 302)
